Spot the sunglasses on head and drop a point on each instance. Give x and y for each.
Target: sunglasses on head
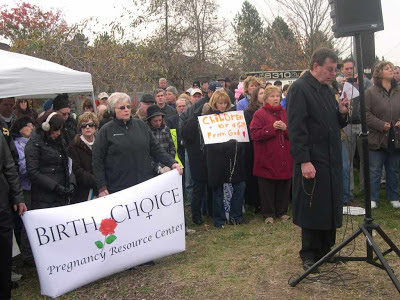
(122, 107)
(87, 124)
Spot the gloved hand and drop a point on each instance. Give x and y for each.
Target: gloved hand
(59, 189)
(69, 192)
(63, 191)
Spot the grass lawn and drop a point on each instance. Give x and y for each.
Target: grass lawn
(250, 261)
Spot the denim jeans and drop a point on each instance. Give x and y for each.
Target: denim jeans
(352, 143)
(378, 159)
(236, 204)
(347, 195)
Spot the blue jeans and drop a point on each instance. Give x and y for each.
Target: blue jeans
(347, 196)
(236, 204)
(378, 159)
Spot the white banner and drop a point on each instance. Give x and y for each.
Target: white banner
(76, 244)
(224, 127)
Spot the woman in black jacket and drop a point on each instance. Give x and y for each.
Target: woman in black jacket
(122, 150)
(80, 151)
(47, 164)
(225, 164)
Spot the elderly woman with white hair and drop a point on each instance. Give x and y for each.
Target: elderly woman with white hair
(122, 150)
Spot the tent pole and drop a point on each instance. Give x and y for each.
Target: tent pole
(94, 103)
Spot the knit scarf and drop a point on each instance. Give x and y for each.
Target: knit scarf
(273, 108)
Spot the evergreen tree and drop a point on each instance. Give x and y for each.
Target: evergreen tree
(249, 31)
(281, 29)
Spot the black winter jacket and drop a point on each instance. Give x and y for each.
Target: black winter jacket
(121, 155)
(81, 157)
(226, 162)
(10, 187)
(192, 140)
(47, 166)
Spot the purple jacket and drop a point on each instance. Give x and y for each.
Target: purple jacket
(242, 104)
(20, 143)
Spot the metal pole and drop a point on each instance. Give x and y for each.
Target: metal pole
(94, 103)
(364, 140)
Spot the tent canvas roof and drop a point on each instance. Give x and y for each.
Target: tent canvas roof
(31, 77)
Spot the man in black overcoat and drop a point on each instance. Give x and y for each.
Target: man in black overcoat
(10, 197)
(315, 119)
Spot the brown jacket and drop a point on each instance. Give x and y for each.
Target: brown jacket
(381, 108)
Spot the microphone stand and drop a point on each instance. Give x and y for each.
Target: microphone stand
(368, 226)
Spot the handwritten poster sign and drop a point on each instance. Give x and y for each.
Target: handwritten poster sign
(224, 127)
(76, 244)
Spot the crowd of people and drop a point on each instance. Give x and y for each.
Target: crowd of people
(302, 145)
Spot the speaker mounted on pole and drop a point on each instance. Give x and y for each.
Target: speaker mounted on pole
(355, 16)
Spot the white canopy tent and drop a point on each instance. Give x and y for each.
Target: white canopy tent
(24, 76)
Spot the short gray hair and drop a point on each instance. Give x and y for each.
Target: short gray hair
(172, 89)
(162, 79)
(115, 98)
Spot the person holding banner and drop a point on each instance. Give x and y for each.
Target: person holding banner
(10, 194)
(80, 151)
(225, 164)
(122, 150)
(272, 161)
(47, 164)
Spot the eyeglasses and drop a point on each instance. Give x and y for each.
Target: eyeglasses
(124, 106)
(87, 124)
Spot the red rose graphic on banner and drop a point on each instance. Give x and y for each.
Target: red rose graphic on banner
(107, 228)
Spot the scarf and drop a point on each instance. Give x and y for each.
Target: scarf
(86, 142)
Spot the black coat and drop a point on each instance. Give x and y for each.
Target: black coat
(121, 154)
(168, 111)
(221, 164)
(47, 166)
(249, 156)
(81, 157)
(314, 133)
(192, 140)
(10, 187)
(10, 142)
(226, 162)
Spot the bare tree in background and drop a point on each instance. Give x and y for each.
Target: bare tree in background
(311, 21)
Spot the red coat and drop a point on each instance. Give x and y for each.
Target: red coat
(272, 159)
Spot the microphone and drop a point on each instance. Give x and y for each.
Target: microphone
(336, 87)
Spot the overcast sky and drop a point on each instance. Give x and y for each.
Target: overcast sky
(387, 42)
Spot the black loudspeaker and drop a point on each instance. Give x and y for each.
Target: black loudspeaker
(355, 16)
